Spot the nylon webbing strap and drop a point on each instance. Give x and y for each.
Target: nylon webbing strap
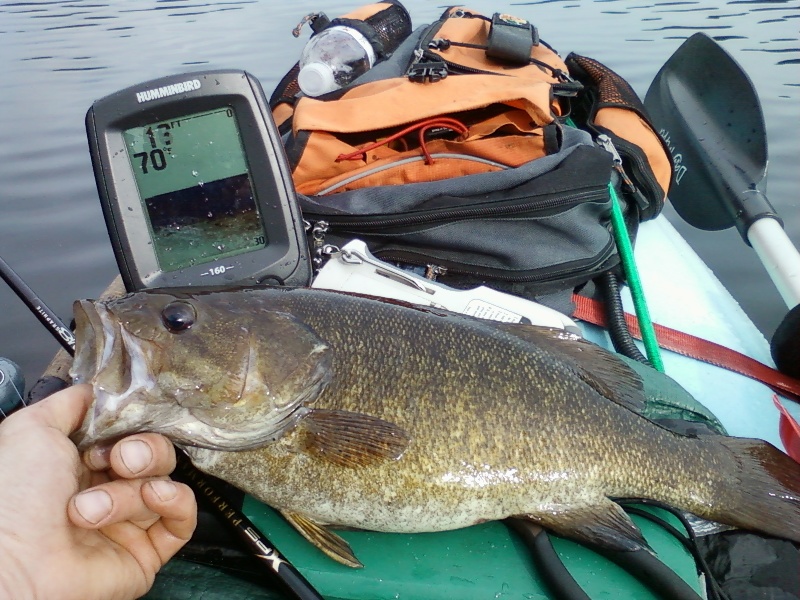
(592, 311)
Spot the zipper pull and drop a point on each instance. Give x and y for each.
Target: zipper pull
(606, 144)
(318, 232)
(432, 272)
(321, 250)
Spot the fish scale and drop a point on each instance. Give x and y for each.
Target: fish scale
(390, 417)
(369, 384)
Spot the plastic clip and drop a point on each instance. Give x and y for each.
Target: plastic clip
(567, 89)
(429, 71)
(441, 44)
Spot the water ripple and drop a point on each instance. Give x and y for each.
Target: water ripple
(59, 56)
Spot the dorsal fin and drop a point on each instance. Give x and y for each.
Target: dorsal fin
(602, 370)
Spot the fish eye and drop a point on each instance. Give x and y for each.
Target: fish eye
(178, 316)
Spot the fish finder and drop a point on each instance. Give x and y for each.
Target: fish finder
(194, 184)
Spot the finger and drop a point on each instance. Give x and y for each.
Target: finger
(109, 503)
(142, 455)
(176, 504)
(98, 457)
(63, 410)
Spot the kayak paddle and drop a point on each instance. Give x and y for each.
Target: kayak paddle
(710, 117)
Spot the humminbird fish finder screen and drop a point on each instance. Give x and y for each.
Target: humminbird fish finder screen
(192, 175)
(194, 184)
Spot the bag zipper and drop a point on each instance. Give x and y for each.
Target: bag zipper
(424, 59)
(405, 161)
(543, 275)
(604, 141)
(321, 252)
(324, 223)
(432, 216)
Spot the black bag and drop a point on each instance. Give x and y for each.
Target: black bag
(531, 229)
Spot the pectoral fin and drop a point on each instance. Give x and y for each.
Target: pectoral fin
(352, 439)
(330, 543)
(603, 524)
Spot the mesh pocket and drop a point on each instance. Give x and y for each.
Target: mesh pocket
(608, 105)
(612, 90)
(392, 26)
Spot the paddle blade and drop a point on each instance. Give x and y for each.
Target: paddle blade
(707, 111)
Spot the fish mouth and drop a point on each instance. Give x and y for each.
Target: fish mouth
(121, 368)
(113, 361)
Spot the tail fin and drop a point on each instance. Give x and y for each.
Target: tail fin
(765, 492)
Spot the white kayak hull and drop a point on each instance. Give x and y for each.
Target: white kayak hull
(684, 294)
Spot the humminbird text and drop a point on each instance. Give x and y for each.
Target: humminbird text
(168, 90)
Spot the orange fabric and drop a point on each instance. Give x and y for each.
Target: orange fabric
(281, 113)
(394, 102)
(504, 117)
(354, 141)
(476, 31)
(387, 167)
(413, 172)
(633, 128)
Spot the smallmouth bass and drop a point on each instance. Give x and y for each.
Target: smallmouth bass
(344, 410)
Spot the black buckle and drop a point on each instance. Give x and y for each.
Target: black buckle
(428, 71)
(567, 89)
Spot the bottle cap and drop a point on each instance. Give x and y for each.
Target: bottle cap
(316, 78)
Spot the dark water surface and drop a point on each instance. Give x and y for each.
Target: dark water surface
(57, 57)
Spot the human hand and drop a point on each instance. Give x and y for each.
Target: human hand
(93, 526)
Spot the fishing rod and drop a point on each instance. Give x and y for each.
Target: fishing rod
(260, 547)
(710, 117)
(46, 316)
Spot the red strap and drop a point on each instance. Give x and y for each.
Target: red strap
(592, 311)
(422, 127)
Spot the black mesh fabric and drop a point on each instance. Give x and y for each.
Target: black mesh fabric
(612, 89)
(392, 25)
(287, 87)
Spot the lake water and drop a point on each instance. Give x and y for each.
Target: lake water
(58, 57)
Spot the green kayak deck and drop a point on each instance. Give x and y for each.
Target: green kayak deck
(485, 561)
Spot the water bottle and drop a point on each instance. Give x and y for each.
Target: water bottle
(334, 58)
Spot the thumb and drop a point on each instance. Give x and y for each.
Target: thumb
(63, 410)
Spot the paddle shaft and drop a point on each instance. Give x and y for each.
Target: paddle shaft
(779, 256)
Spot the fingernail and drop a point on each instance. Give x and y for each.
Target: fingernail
(165, 490)
(93, 505)
(98, 456)
(136, 455)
